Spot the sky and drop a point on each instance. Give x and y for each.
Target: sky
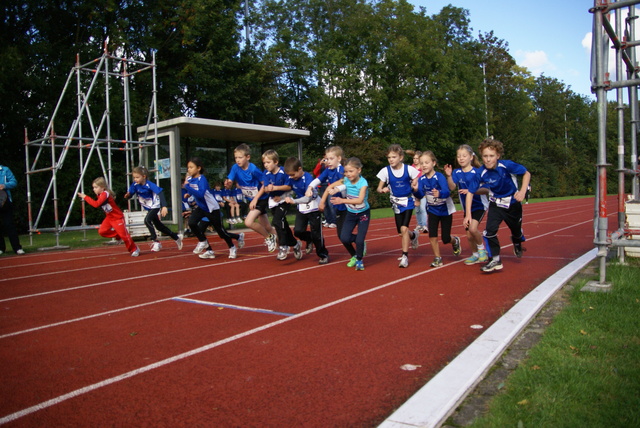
(550, 37)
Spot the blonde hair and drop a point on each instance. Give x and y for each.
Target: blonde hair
(431, 155)
(335, 150)
(395, 148)
(271, 155)
(475, 162)
(354, 162)
(102, 182)
(244, 149)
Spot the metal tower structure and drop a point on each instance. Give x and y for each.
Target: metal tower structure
(91, 134)
(621, 35)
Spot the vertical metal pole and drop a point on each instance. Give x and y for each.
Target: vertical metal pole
(620, 72)
(108, 112)
(26, 160)
(602, 225)
(633, 102)
(176, 179)
(80, 144)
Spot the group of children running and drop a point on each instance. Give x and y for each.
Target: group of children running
(486, 189)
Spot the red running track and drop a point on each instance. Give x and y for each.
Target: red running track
(95, 337)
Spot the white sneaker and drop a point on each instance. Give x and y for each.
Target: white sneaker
(414, 241)
(233, 252)
(200, 247)
(309, 248)
(282, 253)
(241, 240)
(207, 255)
(297, 250)
(1, 251)
(20, 252)
(136, 253)
(271, 243)
(239, 220)
(231, 221)
(179, 241)
(156, 246)
(404, 261)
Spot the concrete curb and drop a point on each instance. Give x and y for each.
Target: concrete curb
(439, 398)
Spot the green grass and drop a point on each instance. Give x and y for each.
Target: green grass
(585, 372)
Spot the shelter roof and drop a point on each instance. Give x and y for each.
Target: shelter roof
(226, 131)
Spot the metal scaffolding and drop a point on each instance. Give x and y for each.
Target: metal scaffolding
(621, 36)
(91, 137)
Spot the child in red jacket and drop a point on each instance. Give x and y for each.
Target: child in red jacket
(113, 225)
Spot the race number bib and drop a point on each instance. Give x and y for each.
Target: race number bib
(249, 192)
(311, 206)
(398, 203)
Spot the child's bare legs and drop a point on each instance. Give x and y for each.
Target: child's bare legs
(405, 233)
(473, 235)
(258, 226)
(435, 246)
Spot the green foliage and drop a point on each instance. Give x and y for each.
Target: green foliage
(360, 73)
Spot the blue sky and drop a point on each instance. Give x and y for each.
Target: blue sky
(550, 37)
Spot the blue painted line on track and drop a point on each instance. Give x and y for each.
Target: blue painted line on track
(240, 308)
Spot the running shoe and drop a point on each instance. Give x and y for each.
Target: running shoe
(240, 240)
(352, 261)
(456, 246)
(414, 240)
(156, 246)
(282, 253)
(309, 248)
(332, 225)
(483, 256)
(518, 250)
(493, 264)
(233, 252)
(20, 252)
(323, 260)
(179, 241)
(297, 250)
(475, 258)
(270, 241)
(200, 247)
(135, 253)
(359, 265)
(404, 261)
(207, 255)
(437, 262)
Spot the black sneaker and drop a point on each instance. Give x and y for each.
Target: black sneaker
(518, 250)
(492, 265)
(456, 246)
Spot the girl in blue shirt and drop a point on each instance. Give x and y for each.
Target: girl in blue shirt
(151, 197)
(197, 186)
(461, 177)
(358, 212)
(396, 180)
(433, 186)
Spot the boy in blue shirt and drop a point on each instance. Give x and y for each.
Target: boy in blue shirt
(308, 211)
(498, 178)
(249, 179)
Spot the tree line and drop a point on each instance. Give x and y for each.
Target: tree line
(362, 74)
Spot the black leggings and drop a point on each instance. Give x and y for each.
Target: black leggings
(215, 220)
(152, 220)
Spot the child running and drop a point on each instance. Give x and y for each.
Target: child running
(460, 177)
(308, 211)
(505, 199)
(249, 179)
(229, 195)
(358, 212)
(152, 199)
(274, 182)
(113, 225)
(333, 172)
(197, 186)
(433, 186)
(396, 180)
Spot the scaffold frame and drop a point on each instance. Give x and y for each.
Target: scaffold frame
(89, 136)
(620, 36)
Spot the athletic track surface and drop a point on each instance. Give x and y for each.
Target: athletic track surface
(93, 337)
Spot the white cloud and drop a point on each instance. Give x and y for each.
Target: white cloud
(586, 42)
(536, 62)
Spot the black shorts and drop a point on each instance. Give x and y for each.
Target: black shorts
(403, 219)
(262, 205)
